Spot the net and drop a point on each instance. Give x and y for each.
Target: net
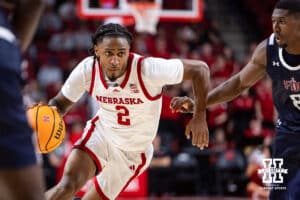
(146, 15)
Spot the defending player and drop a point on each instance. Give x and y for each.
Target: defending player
(117, 143)
(279, 57)
(20, 175)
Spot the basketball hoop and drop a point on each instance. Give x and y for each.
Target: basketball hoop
(146, 15)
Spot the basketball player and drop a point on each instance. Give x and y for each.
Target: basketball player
(117, 143)
(20, 175)
(279, 57)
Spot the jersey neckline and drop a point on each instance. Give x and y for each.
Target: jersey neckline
(280, 50)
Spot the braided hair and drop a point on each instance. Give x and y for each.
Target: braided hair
(109, 30)
(290, 5)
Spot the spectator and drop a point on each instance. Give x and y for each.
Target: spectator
(256, 189)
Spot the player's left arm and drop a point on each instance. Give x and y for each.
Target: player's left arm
(198, 73)
(25, 20)
(159, 72)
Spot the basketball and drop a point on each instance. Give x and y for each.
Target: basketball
(48, 125)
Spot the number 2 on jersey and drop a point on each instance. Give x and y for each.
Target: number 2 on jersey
(123, 115)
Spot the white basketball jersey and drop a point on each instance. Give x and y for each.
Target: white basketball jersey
(128, 114)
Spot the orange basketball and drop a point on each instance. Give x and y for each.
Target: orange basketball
(48, 125)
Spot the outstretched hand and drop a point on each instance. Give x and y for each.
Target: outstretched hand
(199, 130)
(182, 104)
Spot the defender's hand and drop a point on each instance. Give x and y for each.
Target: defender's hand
(199, 130)
(182, 104)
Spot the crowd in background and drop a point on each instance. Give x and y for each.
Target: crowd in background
(241, 131)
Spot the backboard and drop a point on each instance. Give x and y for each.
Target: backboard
(171, 10)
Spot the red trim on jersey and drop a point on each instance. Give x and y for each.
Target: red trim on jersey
(102, 79)
(137, 172)
(86, 149)
(90, 131)
(128, 70)
(98, 188)
(91, 154)
(93, 78)
(139, 73)
(129, 63)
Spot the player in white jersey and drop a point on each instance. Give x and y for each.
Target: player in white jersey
(117, 143)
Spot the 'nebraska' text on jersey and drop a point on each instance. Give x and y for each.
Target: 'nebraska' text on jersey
(128, 114)
(284, 70)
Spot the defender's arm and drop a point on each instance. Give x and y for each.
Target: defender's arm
(247, 77)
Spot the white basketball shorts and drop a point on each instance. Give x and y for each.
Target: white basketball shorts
(116, 167)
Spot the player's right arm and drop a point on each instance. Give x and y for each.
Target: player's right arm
(77, 83)
(227, 91)
(62, 104)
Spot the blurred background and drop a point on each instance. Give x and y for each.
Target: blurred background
(221, 33)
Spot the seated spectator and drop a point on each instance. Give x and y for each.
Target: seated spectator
(161, 156)
(265, 106)
(255, 187)
(159, 173)
(81, 36)
(207, 54)
(217, 116)
(256, 130)
(161, 48)
(62, 41)
(219, 142)
(242, 110)
(49, 73)
(221, 70)
(50, 22)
